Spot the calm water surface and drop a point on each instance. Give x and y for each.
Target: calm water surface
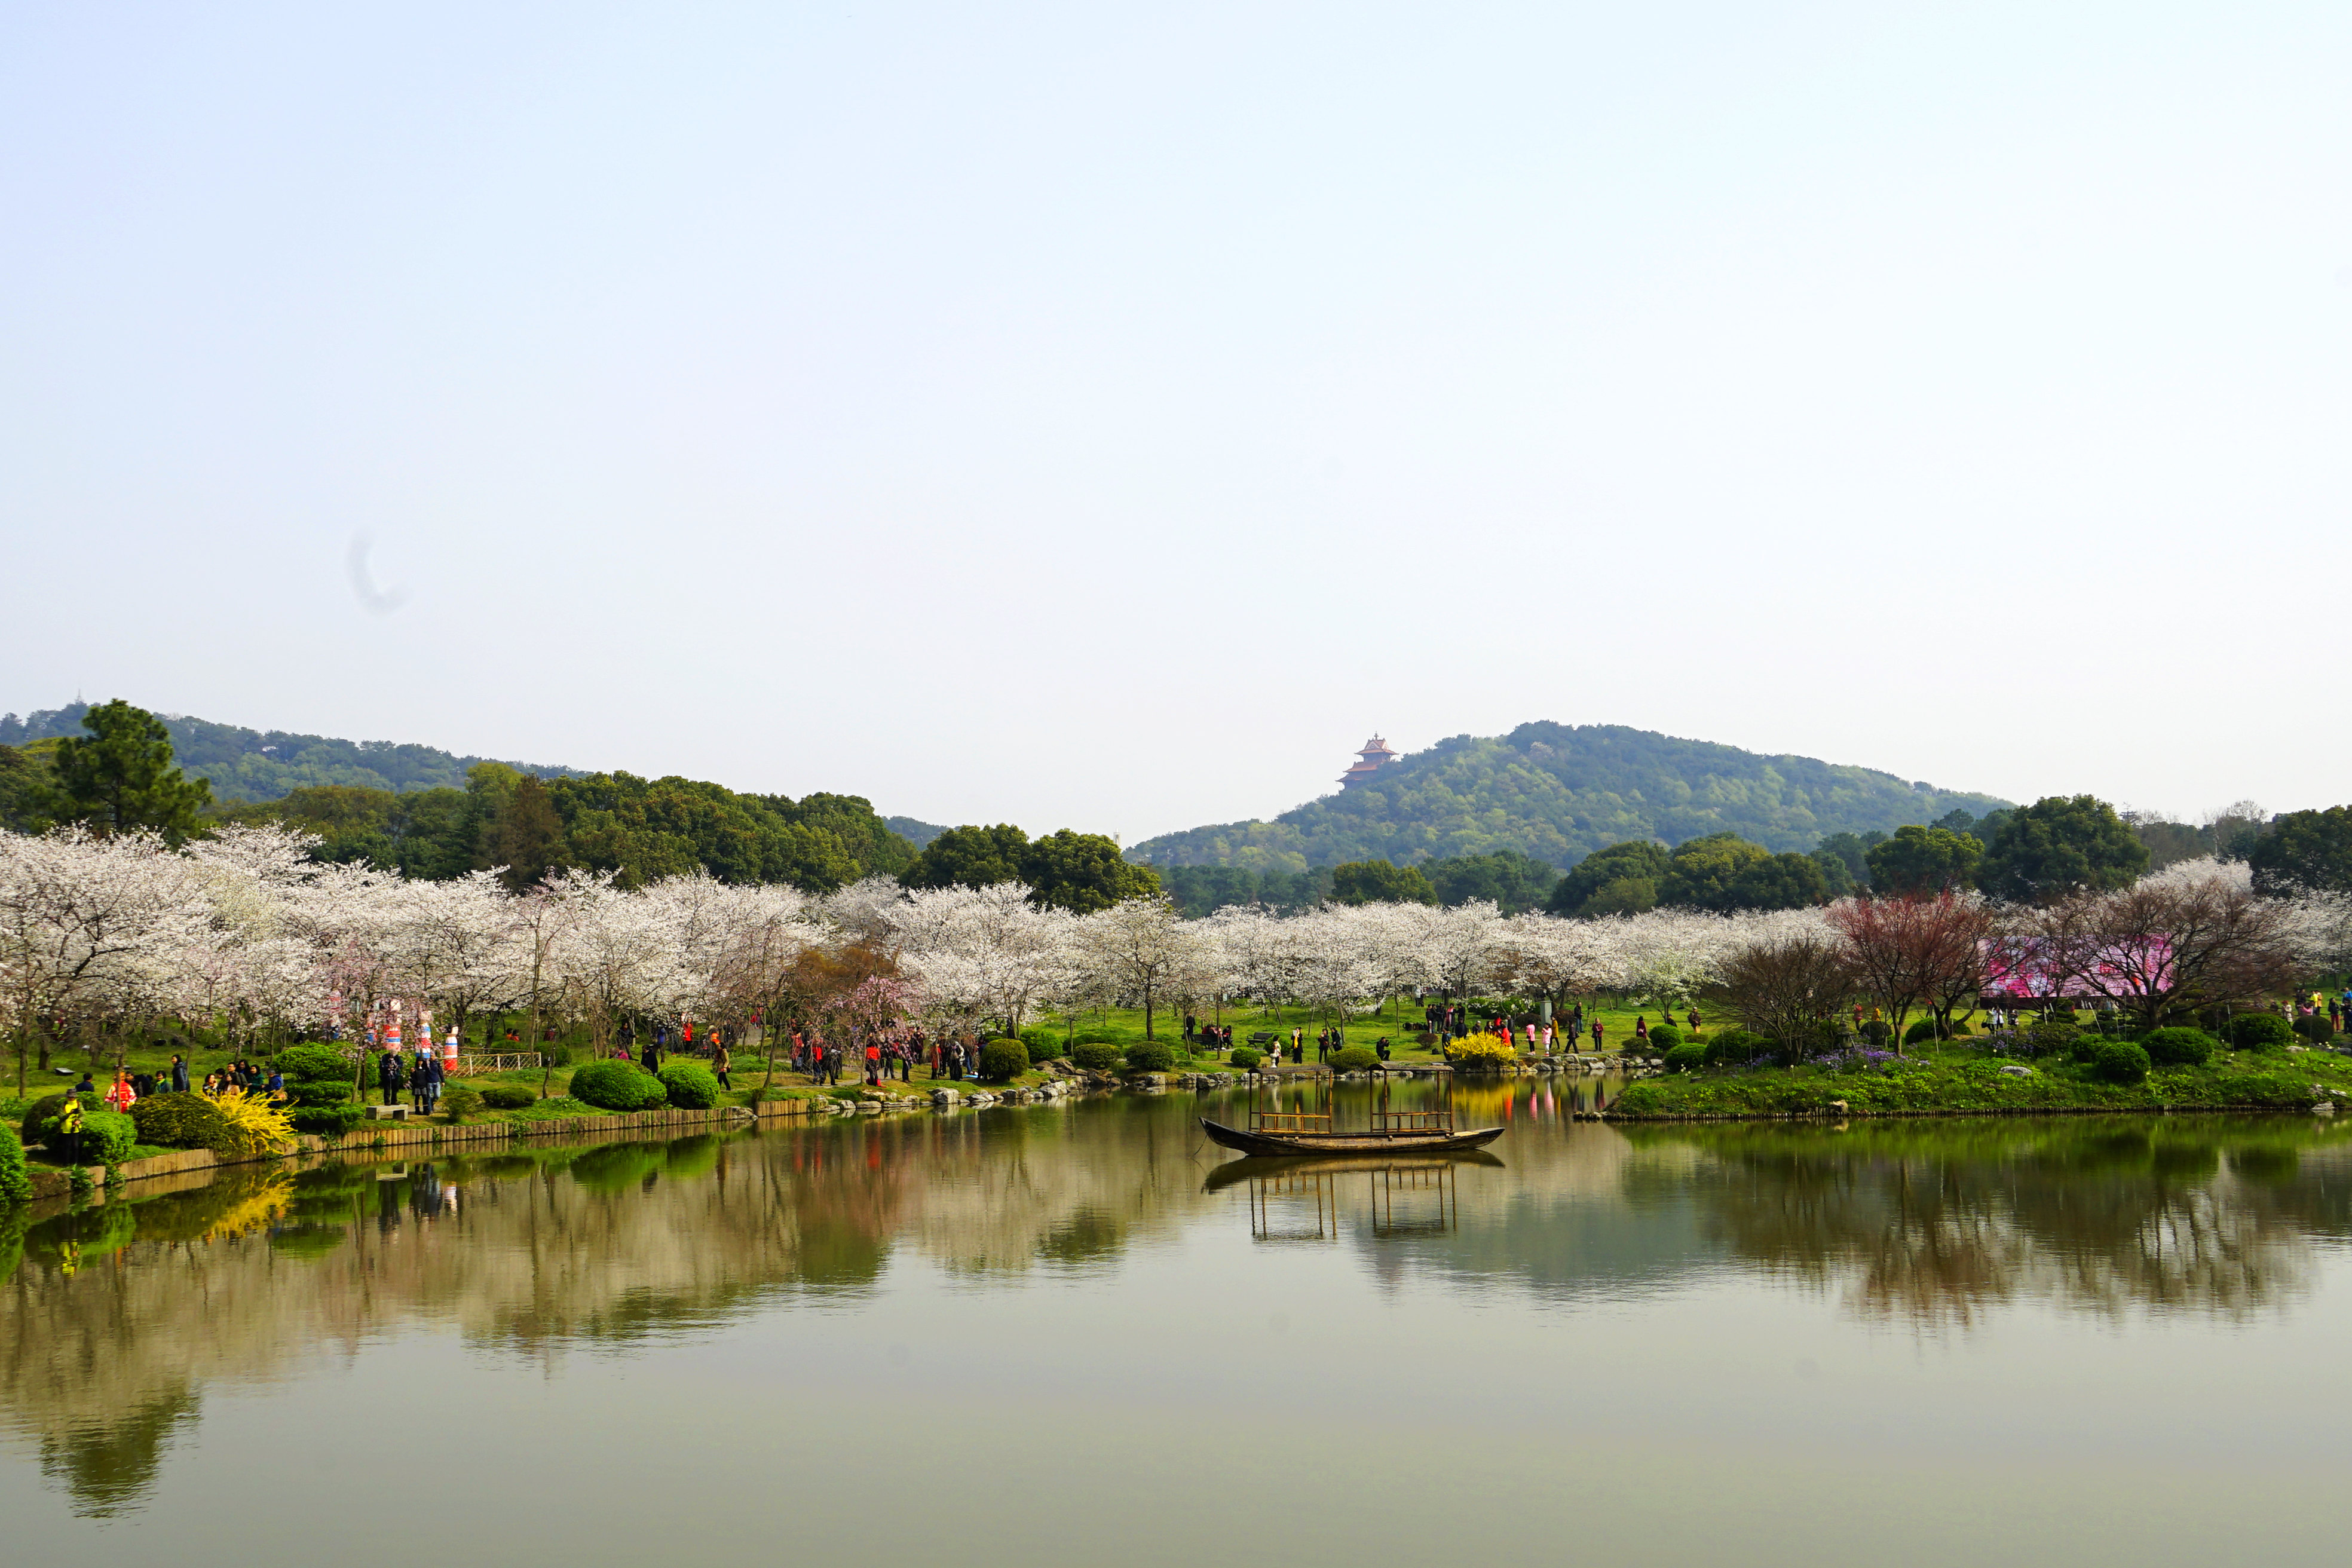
(1074, 1334)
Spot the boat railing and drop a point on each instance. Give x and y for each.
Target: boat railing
(1439, 1121)
(1289, 1122)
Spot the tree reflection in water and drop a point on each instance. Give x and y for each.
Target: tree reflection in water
(116, 1318)
(115, 1323)
(1934, 1222)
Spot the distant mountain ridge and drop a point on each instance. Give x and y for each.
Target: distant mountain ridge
(266, 765)
(1558, 792)
(914, 830)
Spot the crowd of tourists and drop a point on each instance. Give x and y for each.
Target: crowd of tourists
(1544, 1037)
(874, 1056)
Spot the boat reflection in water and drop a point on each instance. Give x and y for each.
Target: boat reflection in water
(1404, 1197)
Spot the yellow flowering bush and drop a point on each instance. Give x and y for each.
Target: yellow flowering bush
(1481, 1051)
(250, 1126)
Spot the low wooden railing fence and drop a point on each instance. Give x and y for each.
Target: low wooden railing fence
(502, 1061)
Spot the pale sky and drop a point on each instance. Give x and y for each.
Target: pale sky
(1108, 416)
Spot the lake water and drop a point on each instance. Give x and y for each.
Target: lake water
(1077, 1334)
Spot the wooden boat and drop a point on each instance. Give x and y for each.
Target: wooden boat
(1407, 1140)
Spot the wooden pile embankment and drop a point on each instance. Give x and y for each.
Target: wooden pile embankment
(373, 1138)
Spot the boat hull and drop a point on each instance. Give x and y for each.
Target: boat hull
(1357, 1143)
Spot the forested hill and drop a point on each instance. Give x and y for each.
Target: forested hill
(264, 764)
(914, 830)
(1558, 792)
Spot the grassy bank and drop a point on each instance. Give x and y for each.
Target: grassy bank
(1956, 1082)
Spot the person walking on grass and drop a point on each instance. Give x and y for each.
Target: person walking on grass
(720, 1060)
(1596, 1036)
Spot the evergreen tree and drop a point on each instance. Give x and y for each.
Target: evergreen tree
(969, 857)
(1083, 872)
(1511, 879)
(1630, 873)
(1924, 860)
(2058, 844)
(526, 836)
(1380, 882)
(2304, 852)
(121, 778)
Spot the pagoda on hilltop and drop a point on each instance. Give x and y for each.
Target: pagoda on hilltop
(1369, 761)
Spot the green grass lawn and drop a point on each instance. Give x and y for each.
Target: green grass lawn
(1401, 1021)
(1958, 1079)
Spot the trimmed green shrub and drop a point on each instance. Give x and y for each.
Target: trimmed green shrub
(1045, 1044)
(2118, 1061)
(1961, 1030)
(2316, 1028)
(328, 1120)
(16, 1182)
(1096, 1055)
(2257, 1032)
(1100, 1037)
(460, 1101)
(1002, 1061)
(507, 1097)
(691, 1085)
(111, 1137)
(1355, 1059)
(1664, 1039)
(2178, 1048)
(617, 1086)
(1149, 1056)
(314, 1062)
(316, 1092)
(1243, 1058)
(42, 1115)
(1688, 1058)
(2051, 1037)
(1734, 1047)
(1920, 1029)
(1878, 1031)
(177, 1121)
